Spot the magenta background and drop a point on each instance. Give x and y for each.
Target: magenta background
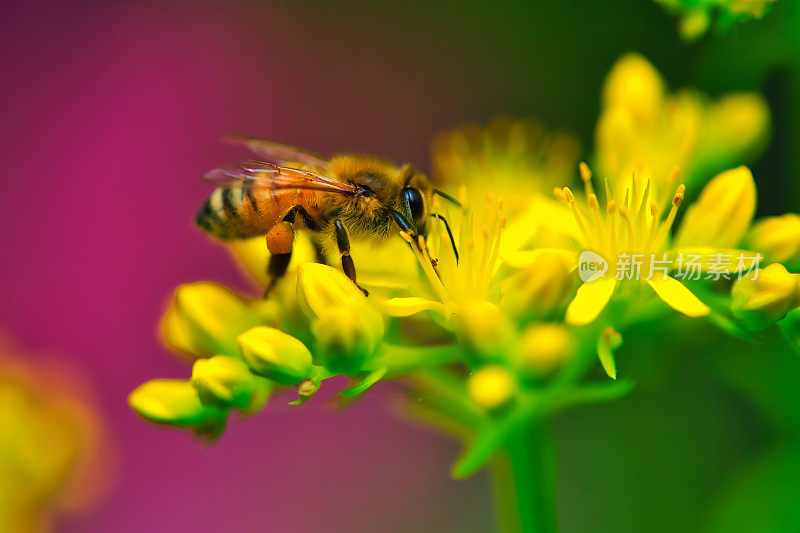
(110, 113)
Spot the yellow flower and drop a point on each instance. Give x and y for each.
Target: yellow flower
(491, 386)
(764, 296)
(54, 453)
(512, 158)
(457, 283)
(646, 131)
(629, 227)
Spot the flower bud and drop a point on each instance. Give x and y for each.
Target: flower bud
(491, 386)
(544, 348)
(274, 354)
(636, 85)
(344, 340)
(347, 326)
(485, 329)
(736, 128)
(778, 238)
(175, 402)
(723, 212)
(204, 319)
(764, 296)
(541, 290)
(226, 382)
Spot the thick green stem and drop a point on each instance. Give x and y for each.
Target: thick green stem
(523, 479)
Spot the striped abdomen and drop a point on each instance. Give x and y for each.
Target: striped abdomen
(233, 213)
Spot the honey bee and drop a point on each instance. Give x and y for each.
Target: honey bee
(364, 197)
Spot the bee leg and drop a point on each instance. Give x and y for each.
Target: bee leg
(280, 240)
(343, 242)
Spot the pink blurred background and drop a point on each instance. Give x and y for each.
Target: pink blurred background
(110, 113)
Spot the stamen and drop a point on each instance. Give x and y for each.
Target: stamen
(623, 210)
(665, 227)
(612, 215)
(594, 205)
(586, 176)
(653, 226)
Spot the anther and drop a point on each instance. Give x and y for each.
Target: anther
(586, 173)
(568, 194)
(676, 200)
(612, 207)
(593, 203)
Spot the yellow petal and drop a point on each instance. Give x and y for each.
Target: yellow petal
(590, 300)
(723, 212)
(409, 306)
(778, 238)
(678, 297)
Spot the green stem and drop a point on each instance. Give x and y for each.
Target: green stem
(523, 481)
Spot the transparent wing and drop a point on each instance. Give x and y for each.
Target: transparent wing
(277, 152)
(263, 175)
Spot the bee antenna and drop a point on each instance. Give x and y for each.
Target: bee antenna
(447, 197)
(449, 233)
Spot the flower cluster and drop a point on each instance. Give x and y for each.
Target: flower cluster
(499, 329)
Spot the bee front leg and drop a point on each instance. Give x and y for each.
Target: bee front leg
(280, 240)
(343, 242)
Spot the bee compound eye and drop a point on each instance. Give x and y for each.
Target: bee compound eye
(414, 203)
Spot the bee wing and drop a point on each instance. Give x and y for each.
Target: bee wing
(262, 175)
(277, 152)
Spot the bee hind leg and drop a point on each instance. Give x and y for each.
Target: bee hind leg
(280, 240)
(343, 242)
